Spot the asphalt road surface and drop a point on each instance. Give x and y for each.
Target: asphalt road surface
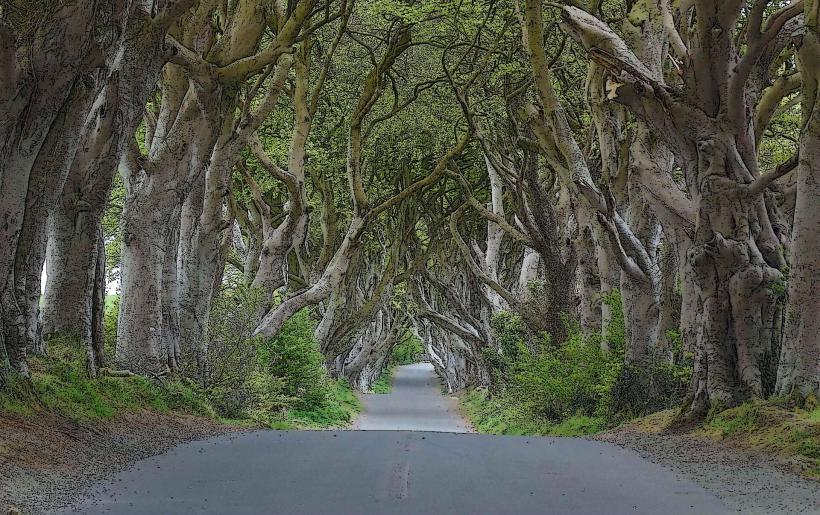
(398, 472)
(414, 404)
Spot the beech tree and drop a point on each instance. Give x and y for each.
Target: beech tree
(799, 368)
(497, 178)
(705, 114)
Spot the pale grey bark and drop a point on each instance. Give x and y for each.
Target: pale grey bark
(74, 224)
(495, 236)
(43, 96)
(192, 126)
(799, 369)
(736, 257)
(202, 255)
(150, 225)
(331, 278)
(368, 359)
(73, 301)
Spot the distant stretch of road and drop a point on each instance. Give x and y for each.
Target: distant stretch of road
(414, 404)
(433, 470)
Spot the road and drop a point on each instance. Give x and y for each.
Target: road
(398, 472)
(414, 404)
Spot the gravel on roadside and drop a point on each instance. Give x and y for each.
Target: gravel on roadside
(46, 463)
(750, 484)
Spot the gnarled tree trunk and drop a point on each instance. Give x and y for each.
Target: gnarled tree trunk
(799, 369)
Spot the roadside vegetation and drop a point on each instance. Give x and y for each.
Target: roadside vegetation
(777, 427)
(576, 387)
(278, 382)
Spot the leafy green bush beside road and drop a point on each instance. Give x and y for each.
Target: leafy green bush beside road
(577, 386)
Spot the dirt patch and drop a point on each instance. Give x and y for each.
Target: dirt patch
(749, 482)
(47, 461)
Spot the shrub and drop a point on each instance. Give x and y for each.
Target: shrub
(640, 390)
(579, 383)
(232, 349)
(574, 378)
(384, 384)
(112, 313)
(293, 356)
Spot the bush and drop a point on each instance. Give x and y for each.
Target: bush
(112, 313)
(574, 378)
(578, 385)
(641, 390)
(232, 349)
(293, 357)
(384, 384)
(338, 410)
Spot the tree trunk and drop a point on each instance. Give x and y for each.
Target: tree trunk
(799, 369)
(49, 170)
(98, 308)
(736, 287)
(332, 276)
(589, 284)
(74, 232)
(198, 256)
(171, 335)
(146, 231)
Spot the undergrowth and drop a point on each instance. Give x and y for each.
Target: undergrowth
(775, 426)
(408, 351)
(498, 416)
(281, 383)
(384, 384)
(577, 386)
(59, 384)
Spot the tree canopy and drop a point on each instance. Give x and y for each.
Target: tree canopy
(447, 171)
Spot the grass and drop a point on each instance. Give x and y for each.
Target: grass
(385, 382)
(338, 411)
(492, 415)
(60, 385)
(774, 428)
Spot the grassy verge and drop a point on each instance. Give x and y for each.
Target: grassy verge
(493, 415)
(60, 385)
(772, 428)
(385, 382)
(338, 411)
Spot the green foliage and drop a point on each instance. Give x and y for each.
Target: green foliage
(112, 312)
(293, 357)
(776, 426)
(577, 386)
(574, 378)
(408, 351)
(284, 386)
(649, 387)
(384, 384)
(60, 384)
(494, 414)
(614, 334)
(337, 410)
(579, 425)
(280, 382)
(745, 418)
